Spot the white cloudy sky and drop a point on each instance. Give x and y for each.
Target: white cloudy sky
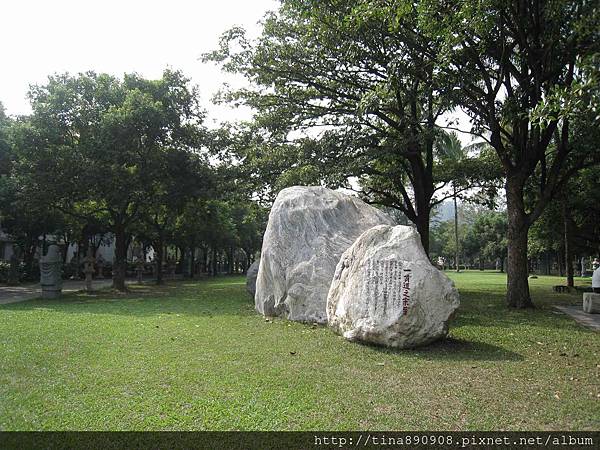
(40, 37)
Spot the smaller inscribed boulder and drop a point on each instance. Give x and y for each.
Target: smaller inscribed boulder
(385, 291)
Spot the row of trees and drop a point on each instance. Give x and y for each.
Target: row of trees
(478, 240)
(357, 93)
(567, 232)
(129, 157)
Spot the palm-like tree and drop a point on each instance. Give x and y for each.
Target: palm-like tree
(450, 148)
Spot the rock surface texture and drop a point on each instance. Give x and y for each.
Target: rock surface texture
(251, 275)
(309, 228)
(385, 291)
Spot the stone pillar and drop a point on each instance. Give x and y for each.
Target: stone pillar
(13, 271)
(187, 263)
(51, 272)
(139, 269)
(591, 303)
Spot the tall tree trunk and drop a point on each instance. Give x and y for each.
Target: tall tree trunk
(517, 293)
(205, 268)
(422, 223)
(231, 262)
(192, 261)
(28, 254)
(568, 251)
(214, 262)
(560, 253)
(120, 263)
(456, 243)
(160, 256)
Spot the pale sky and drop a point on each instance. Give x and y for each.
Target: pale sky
(43, 37)
(39, 38)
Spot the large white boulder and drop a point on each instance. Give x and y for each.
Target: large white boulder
(385, 291)
(308, 230)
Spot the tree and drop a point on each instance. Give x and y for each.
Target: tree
(107, 139)
(443, 240)
(450, 147)
(576, 211)
(5, 148)
(25, 212)
(486, 237)
(181, 178)
(370, 86)
(509, 61)
(250, 222)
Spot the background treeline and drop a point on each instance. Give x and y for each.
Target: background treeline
(108, 159)
(359, 94)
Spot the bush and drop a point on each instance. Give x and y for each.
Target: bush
(5, 272)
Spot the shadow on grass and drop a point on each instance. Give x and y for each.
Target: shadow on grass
(491, 311)
(452, 349)
(215, 298)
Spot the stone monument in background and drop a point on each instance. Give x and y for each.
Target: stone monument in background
(251, 275)
(51, 272)
(13, 270)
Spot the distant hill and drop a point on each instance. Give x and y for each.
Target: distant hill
(443, 212)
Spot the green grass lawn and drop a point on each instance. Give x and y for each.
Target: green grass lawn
(195, 356)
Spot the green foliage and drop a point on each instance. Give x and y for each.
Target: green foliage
(527, 106)
(487, 236)
(577, 204)
(122, 149)
(482, 237)
(5, 272)
(341, 92)
(108, 137)
(5, 150)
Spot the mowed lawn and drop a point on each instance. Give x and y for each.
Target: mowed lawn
(195, 356)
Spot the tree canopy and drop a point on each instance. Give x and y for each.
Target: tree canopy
(347, 97)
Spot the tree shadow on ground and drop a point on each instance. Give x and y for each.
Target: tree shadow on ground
(452, 349)
(185, 298)
(491, 311)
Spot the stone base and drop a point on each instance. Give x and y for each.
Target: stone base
(51, 294)
(591, 303)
